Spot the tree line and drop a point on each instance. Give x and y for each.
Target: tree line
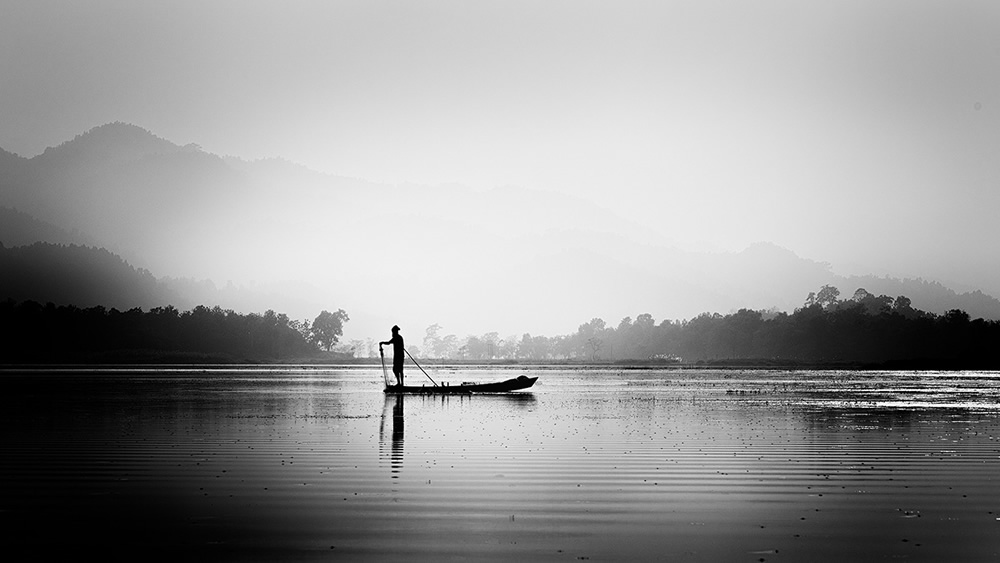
(31, 332)
(863, 329)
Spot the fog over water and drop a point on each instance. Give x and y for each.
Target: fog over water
(509, 160)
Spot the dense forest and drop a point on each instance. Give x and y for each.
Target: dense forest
(35, 333)
(863, 330)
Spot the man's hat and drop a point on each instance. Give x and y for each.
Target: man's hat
(395, 328)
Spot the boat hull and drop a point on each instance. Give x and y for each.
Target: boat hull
(516, 384)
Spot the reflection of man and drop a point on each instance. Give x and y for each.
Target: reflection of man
(397, 354)
(397, 435)
(395, 455)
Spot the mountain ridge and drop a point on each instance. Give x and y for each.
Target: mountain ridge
(511, 252)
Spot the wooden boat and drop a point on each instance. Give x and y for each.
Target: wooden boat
(516, 384)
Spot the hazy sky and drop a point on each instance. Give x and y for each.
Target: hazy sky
(866, 134)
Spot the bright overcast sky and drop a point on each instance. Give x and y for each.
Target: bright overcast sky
(862, 133)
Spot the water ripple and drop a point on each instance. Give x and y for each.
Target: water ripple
(305, 463)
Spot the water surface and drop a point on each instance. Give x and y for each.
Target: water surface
(316, 463)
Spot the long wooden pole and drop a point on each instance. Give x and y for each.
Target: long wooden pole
(421, 369)
(385, 374)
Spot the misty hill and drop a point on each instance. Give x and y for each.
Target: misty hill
(84, 276)
(131, 191)
(20, 229)
(507, 259)
(77, 275)
(12, 165)
(102, 147)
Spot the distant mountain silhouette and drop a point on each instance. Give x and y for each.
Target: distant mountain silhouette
(77, 275)
(85, 276)
(296, 240)
(128, 189)
(102, 146)
(20, 229)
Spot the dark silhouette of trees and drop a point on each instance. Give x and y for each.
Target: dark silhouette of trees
(865, 329)
(31, 332)
(328, 327)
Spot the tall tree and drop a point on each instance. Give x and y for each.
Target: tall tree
(432, 342)
(828, 296)
(328, 327)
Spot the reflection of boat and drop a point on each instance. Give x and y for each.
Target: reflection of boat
(516, 384)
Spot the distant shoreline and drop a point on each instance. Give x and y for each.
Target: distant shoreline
(205, 360)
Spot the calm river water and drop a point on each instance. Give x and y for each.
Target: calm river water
(316, 463)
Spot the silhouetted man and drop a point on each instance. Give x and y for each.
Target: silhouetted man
(397, 354)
